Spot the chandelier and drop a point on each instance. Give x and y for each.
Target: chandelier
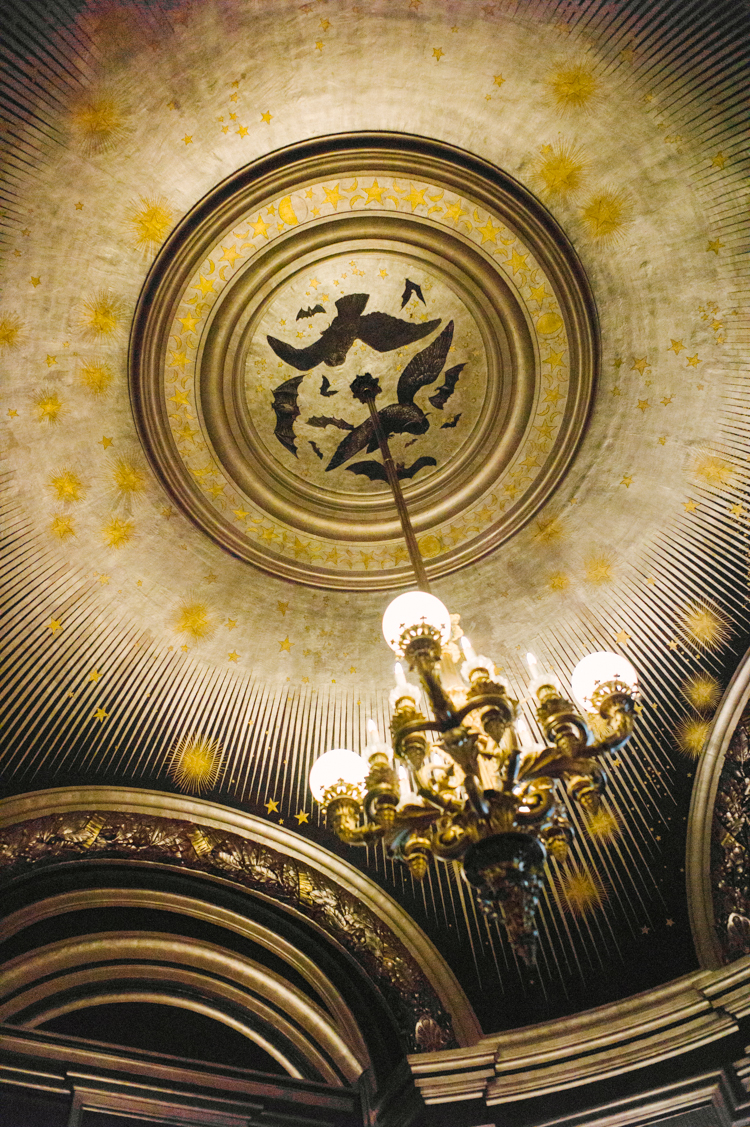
(468, 783)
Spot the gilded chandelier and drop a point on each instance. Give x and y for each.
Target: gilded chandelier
(468, 783)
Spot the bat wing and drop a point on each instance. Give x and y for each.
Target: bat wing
(452, 422)
(309, 312)
(286, 410)
(303, 359)
(409, 289)
(415, 467)
(374, 470)
(383, 332)
(425, 367)
(352, 444)
(443, 394)
(325, 388)
(329, 421)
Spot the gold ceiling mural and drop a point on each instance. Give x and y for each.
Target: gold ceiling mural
(130, 629)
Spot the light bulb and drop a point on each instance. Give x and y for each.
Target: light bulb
(400, 675)
(373, 735)
(469, 651)
(338, 767)
(414, 609)
(532, 663)
(599, 669)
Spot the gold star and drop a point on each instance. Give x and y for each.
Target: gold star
(650, 582)
(319, 45)
(719, 160)
(271, 806)
(325, 24)
(302, 817)
(517, 262)
(104, 580)
(35, 282)
(171, 105)
(205, 285)
(666, 400)
(230, 254)
(374, 192)
(437, 53)
(415, 197)
(627, 481)
(286, 645)
(184, 648)
(101, 715)
(643, 404)
(179, 359)
(12, 414)
(94, 675)
(715, 246)
(640, 365)
(616, 390)
(552, 396)
(210, 578)
(233, 656)
(488, 232)
(662, 439)
(498, 80)
(225, 128)
(622, 638)
(189, 322)
(230, 624)
(455, 211)
(676, 346)
(239, 513)
(693, 361)
(352, 669)
(79, 207)
(261, 227)
(689, 506)
(242, 131)
(283, 607)
(232, 98)
(554, 359)
(51, 360)
(674, 644)
(180, 398)
(333, 195)
(736, 510)
(54, 625)
(266, 117)
(188, 139)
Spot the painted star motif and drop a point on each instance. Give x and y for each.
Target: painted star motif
(233, 656)
(35, 282)
(54, 626)
(271, 806)
(188, 139)
(333, 196)
(240, 514)
(555, 359)
(666, 400)
(693, 361)
(437, 53)
(374, 192)
(286, 645)
(643, 404)
(517, 262)
(650, 582)
(79, 207)
(51, 360)
(302, 817)
(623, 638)
(205, 285)
(261, 227)
(101, 715)
(180, 398)
(188, 322)
(415, 197)
(689, 506)
(319, 45)
(616, 390)
(94, 675)
(640, 365)
(283, 607)
(736, 510)
(230, 255)
(676, 346)
(662, 440)
(12, 414)
(498, 80)
(488, 232)
(266, 117)
(627, 481)
(715, 246)
(243, 131)
(719, 160)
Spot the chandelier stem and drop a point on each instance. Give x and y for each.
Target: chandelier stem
(406, 526)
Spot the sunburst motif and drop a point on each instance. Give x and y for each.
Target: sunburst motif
(582, 892)
(102, 315)
(195, 763)
(606, 214)
(67, 485)
(604, 825)
(150, 218)
(96, 376)
(692, 735)
(714, 470)
(117, 532)
(11, 331)
(99, 123)
(561, 168)
(48, 405)
(703, 691)
(706, 624)
(194, 618)
(573, 87)
(129, 478)
(559, 581)
(598, 570)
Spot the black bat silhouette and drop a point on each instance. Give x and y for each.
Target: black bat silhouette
(452, 423)
(443, 394)
(310, 312)
(376, 470)
(378, 330)
(286, 411)
(316, 448)
(324, 388)
(329, 421)
(409, 289)
(403, 417)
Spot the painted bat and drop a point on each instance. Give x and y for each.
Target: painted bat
(286, 411)
(329, 421)
(443, 393)
(452, 422)
(325, 388)
(409, 289)
(313, 309)
(376, 470)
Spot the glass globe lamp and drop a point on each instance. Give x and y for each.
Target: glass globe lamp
(600, 673)
(412, 611)
(339, 773)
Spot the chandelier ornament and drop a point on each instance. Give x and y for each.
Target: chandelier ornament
(468, 783)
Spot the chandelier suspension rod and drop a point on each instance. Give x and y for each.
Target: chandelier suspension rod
(411, 541)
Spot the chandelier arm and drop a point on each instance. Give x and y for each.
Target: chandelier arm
(480, 701)
(391, 473)
(441, 704)
(411, 729)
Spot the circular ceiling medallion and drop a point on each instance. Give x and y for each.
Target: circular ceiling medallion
(411, 261)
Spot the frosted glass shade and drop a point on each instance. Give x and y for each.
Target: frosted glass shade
(412, 609)
(337, 767)
(598, 668)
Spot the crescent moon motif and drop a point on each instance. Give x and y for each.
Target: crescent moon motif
(286, 212)
(353, 187)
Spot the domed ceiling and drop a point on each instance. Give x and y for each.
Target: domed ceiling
(526, 220)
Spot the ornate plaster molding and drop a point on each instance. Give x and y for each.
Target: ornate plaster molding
(65, 824)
